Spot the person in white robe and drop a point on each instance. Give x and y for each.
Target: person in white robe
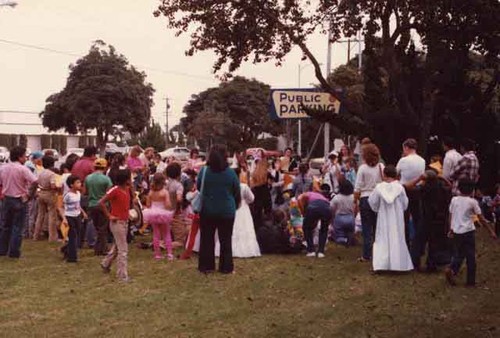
(389, 201)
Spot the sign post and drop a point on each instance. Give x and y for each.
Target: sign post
(289, 104)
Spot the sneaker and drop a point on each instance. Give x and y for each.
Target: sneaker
(311, 254)
(105, 269)
(450, 276)
(170, 257)
(321, 255)
(157, 257)
(125, 280)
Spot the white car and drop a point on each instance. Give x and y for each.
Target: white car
(180, 153)
(4, 155)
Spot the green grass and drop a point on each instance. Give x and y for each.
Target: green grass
(272, 296)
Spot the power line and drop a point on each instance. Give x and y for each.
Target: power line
(55, 51)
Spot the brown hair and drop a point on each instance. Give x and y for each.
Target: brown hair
(410, 143)
(371, 154)
(158, 182)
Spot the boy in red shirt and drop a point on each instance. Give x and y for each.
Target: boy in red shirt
(119, 200)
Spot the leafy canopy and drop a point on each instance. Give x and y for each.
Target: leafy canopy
(102, 91)
(235, 113)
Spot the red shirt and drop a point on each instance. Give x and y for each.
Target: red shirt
(83, 167)
(120, 202)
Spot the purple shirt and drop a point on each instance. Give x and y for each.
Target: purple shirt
(134, 163)
(316, 196)
(83, 167)
(15, 179)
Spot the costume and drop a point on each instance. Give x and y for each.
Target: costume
(160, 218)
(390, 252)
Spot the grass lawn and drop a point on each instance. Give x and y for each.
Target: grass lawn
(272, 296)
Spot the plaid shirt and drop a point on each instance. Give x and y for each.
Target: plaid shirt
(466, 168)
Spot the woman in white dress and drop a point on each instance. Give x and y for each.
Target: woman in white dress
(244, 240)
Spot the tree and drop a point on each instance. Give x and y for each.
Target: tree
(267, 30)
(152, 136)
(102, 92)
(235, 113)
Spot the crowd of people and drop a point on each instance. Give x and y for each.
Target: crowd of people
(252, 205)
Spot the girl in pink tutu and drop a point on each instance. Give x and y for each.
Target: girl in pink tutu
(159, 216)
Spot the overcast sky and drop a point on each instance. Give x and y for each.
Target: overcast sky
(29, 76)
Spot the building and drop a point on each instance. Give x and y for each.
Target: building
(25, 127)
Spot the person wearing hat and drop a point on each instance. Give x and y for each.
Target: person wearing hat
(332, 171)
(96, 186)
(35, 163)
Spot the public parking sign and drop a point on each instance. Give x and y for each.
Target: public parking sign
(290, 103)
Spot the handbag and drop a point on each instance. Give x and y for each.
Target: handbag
(197, 202)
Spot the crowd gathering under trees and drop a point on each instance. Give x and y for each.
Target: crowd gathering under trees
(419, 185)
(244, 205)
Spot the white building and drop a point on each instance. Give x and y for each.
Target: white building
(30, 124)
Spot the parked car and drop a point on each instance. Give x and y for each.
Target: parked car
(4, 155)
(55, 152)
(180, 153)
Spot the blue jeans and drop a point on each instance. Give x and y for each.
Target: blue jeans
(368, 224)
(317, 211)
(12, 225)
(464, 246)
(343, 227)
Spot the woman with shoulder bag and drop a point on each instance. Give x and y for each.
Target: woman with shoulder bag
(220, 197)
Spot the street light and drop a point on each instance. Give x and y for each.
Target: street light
(9, 3)
(299, 146)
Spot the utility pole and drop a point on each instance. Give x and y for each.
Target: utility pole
(328, 68)
(167, 106)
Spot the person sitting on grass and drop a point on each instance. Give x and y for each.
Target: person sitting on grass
(73, 217)
(463, 208)
(119, 199)
(389, 201)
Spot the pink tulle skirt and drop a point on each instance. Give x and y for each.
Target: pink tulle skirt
(157, 216)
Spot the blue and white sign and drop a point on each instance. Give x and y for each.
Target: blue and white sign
(290, 103)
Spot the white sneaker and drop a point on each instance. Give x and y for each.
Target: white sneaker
(321, 255)
(311, 254)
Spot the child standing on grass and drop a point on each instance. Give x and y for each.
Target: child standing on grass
(119, 199)
(73, 217)
(159, 216)
(463, 208)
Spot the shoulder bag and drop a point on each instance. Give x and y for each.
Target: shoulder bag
(197, 202)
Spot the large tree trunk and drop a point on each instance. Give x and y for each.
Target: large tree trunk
(102, 139)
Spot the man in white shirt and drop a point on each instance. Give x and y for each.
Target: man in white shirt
(410, 167)
(451, 157)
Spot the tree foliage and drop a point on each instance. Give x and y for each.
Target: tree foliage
(403, 86)
(102, 92)
(235, 113)
(152, 136)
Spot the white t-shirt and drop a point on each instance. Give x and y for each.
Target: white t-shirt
(368, 178)
(462, 210)
(450, 161)
(410, 168)
(72, 204)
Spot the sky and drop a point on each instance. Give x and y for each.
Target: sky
(28, 76)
